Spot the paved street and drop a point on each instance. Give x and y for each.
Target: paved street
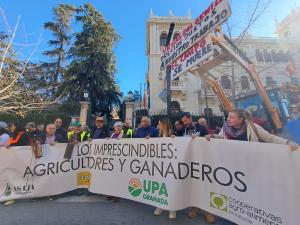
(92, 210)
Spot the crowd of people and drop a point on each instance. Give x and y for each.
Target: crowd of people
(238, 126)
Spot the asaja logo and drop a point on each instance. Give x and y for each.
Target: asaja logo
(7, 191)
(23, 189)
(84, 179)
(135, 187)
(218, 201)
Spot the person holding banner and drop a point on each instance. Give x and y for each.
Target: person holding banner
(146, 130)
(240, 127)
(191, 128)
(195, 130)
(165, 130)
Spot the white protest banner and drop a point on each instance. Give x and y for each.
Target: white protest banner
(196, 54)
(216, 14)
(245, 182)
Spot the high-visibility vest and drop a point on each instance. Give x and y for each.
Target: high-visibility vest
(83, 133)
(129, 132)
(70, 134)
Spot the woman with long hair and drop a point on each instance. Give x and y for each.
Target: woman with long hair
(165, 130)
(239, 126)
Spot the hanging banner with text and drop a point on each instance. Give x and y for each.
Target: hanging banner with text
(215, 15)
(247, 183)
(200, 51)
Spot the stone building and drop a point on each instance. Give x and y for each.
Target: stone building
(271, 56)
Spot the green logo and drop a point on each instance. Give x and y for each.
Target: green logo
(7, 191)
(135, 187)
(218, 201)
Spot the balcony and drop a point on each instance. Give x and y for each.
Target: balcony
(177, 85)
(211, 93)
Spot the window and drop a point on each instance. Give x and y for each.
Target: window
(163, 39)
(245, 83)
(286, 34)
(225, 82)
(259, 55)
(267, 56)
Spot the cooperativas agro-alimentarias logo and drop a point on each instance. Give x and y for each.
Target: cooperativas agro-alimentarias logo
(218, 201)
(153, 191)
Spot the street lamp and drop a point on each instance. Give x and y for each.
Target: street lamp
(86, 95)
(130, 96)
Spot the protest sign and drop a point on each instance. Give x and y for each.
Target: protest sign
(245, 182)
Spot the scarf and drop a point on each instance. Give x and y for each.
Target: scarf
(233, 133)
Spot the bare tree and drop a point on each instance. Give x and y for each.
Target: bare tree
(20, 90)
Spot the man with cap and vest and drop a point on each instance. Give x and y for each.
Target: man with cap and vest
(100, 131)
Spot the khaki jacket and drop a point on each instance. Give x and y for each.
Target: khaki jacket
(257, 134)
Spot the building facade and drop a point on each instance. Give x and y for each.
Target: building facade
(271, 55)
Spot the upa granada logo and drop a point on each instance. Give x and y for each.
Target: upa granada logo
(84, 179)
(135, 187)
(218, 201)
(149, 190)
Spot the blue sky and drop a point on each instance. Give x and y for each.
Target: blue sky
(129, 20)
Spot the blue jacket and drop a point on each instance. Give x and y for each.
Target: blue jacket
(142, 132)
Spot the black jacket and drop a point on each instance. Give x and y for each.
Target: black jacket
(100, 133)
(37, 135)
(195, 129)
(63, 136)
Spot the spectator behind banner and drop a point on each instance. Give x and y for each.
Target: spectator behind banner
(127, 131)
(203, 122)
(145, 131)
(179, 128)
(36, 139)
(4, 136)
(18, 135)
(100, 131)
(165, 130)
(77, 135)
(34, 133)
(51, 137)
(117, 130)
(40, 127)
(191, 128)
(60, 130)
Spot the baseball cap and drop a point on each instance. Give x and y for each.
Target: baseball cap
(31, 125)
(76, 124)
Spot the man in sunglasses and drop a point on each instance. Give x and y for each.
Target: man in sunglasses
(100, 131)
